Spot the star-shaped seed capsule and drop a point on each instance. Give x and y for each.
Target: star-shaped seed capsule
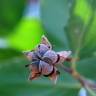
(44, 60)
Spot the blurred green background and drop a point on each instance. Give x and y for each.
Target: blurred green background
(68, 24)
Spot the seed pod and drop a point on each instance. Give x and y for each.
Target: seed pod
(45, 68)
(42, 49)
(50, 57)
(34, 70)
(63, 55)
(44, 60)
(30, 56)
(46, 42)
(49, 71)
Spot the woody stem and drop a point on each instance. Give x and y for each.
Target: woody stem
(75, 74)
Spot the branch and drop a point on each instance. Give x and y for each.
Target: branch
(84, 82)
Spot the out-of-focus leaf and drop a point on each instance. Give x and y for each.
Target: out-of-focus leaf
(55, 15)
(14, 81)
(8, 53)
(89, 47)
(10, 13)
(27, 34)
(87, 67)
(81, 29)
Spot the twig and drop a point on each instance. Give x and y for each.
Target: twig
(84, 82)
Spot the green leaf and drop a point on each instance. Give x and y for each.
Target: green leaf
(10, 14)
(55, 15)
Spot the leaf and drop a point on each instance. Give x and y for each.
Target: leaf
(80, 29)
(10, 15)
(54, 19)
